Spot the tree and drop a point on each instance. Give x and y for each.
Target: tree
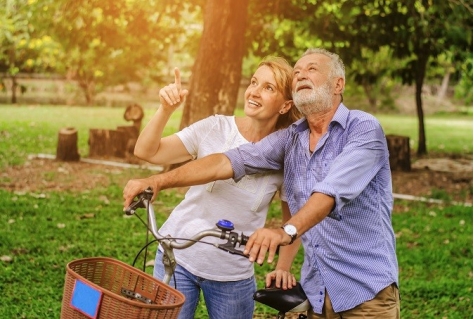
(417, 30)
(108, 42)
(23, 47)
(217, 70)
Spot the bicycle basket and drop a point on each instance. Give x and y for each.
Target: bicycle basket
(115, 290)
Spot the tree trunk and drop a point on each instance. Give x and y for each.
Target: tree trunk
(67, 145)
(420, 76)
(88, 88)
(399, 150)
(14, 86)
(217, 71)
(371, 97)
(444, 86)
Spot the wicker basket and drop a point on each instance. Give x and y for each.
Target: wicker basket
(110, 277)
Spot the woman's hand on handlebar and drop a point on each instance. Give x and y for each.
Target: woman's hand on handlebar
(137, 186)
(280, 279)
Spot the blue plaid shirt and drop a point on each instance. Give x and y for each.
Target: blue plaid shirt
(351, 253)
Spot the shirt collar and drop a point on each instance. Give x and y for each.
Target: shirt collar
(341, 115)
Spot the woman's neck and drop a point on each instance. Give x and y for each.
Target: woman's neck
(254, 130)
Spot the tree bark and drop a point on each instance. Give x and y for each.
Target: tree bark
(216, 75)
(420, 76)
(444, 86)
(67, 145)
(108, 143)
(14, 86)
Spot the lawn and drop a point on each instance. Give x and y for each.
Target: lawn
(42, 231)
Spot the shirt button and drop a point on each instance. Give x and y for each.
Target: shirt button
(320, 292)
(320, 300)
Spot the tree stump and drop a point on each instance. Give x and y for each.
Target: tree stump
(107, 143)
(67, 145)
(399, 150)
(134, 113)
(120, 142)
(131, 133)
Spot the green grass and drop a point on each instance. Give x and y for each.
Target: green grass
(444, 133)
(43, 232)
(34, 129)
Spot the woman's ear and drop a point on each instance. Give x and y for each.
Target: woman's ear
(286, 106)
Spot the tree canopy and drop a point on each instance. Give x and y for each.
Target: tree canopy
(108, 42)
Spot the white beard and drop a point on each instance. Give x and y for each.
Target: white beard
(319, 99)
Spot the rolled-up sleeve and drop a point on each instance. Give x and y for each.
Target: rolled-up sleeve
(355, 167)
(263, 156)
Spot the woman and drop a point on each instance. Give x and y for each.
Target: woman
(227, 281)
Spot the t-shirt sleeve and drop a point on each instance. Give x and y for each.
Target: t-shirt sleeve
(192, 135)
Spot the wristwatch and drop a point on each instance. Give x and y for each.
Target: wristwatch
(291, 231)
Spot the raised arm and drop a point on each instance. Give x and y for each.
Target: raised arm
(151, 146)
(207, 169)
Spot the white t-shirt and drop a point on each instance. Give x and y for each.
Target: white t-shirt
(244, 203)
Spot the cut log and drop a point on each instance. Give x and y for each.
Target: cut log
(399, 150)
(132, 136)
(107, 143)
(134, 112)
(67, 145)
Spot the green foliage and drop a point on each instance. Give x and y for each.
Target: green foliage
(24, 47)
(463, 89)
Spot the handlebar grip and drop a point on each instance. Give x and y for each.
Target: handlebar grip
(147, 194)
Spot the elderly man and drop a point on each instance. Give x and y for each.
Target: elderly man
(338, 183)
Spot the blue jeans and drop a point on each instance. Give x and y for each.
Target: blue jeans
(224, 299)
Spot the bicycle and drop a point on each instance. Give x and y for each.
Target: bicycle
(106, 288)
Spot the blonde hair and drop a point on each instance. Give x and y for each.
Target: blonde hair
(283, 73)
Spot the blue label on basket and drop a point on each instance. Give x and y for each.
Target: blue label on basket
(86, 299)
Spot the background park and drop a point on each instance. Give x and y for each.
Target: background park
(79, 64)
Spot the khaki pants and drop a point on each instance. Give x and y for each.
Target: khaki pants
(386, 304)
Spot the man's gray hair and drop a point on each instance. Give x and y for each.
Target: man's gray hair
(337, 66)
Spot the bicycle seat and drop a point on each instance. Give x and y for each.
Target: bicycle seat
(290, 300)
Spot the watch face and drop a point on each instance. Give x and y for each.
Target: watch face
(290, 230)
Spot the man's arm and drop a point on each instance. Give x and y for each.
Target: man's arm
(207, 169)
(266, 240)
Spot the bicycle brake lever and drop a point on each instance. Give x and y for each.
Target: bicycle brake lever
(134, 206)
(147, 194)
(229, 247)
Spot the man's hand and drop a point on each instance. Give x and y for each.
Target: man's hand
(136, 186)
(265, 240)
(172, 95)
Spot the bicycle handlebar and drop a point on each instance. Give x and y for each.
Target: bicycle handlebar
(224, 231)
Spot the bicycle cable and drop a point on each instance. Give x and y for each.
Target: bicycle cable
(148, 243)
